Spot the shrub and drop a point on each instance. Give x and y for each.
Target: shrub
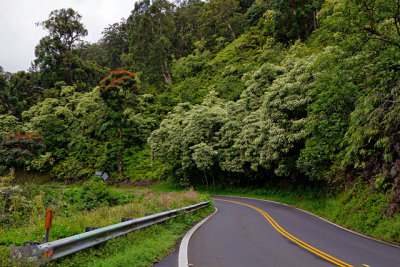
(13, 203)
(94, 194)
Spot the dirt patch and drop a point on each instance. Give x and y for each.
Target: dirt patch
(127, 182)
(144, 183)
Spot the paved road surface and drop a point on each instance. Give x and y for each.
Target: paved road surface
(238, 235)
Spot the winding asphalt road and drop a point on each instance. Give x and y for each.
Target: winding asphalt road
(248, 232)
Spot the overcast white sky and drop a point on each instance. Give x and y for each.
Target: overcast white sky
(19, 35)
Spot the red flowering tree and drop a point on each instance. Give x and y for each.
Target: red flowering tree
(119, 90)
(16, 148)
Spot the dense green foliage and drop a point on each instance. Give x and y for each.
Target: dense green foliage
(19, 202)
(231, 92)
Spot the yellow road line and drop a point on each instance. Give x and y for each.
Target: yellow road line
(292, 238)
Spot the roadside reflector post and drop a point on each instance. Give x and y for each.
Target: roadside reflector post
(47, 226)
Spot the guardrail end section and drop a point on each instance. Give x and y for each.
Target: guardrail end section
(25, 253)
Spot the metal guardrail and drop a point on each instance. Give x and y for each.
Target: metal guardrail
(56, 249)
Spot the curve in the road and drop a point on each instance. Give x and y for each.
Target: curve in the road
(294, 239)
(237, 236)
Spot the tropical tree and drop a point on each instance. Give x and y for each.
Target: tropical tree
(119, 90)
(54, 120)
(334, 92)
(186, 139)
(222, 19)
(188, 22)
(380, 20)
(151, 29)
(5, 106)
(115, 42)
(56, 56)
(294, 19)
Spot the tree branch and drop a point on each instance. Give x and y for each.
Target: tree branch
(381, 36)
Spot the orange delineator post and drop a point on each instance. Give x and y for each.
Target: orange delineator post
(47, 226)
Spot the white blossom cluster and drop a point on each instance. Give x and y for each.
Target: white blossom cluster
(263, 129)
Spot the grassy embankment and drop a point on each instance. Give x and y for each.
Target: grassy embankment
(140, 248)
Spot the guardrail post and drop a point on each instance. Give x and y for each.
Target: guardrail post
(90, 228)
(47, 225)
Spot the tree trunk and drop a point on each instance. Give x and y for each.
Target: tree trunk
(205, 177)
(234, 37)
(67, 67)
(120, 154)
(69, 79)
(293, 7)
(166, 73)
(315, 19)
(232, 32)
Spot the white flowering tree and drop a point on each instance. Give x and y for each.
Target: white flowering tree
(186, 138)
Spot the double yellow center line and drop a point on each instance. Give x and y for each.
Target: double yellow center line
(292, 238)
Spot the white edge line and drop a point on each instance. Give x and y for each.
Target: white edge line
(183, 248)
(325, 220)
